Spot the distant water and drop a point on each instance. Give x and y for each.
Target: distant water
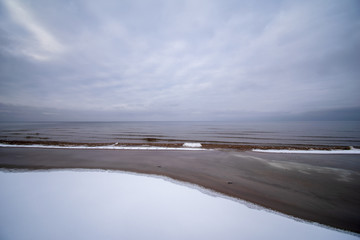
(342, 133)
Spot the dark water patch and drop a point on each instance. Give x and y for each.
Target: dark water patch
(40, 138)
(151, 139)
(325, 137)
(139, 135)
(17, 130)
(333, 141)
(258, 138)
(235, 133)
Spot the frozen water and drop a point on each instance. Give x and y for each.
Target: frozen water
(192, 145)
(351, 151)
(116, 205)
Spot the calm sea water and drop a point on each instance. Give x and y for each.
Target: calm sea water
(342, 133)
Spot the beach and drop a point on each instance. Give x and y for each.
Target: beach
(98, 204)
(312, 187)
(173, 119)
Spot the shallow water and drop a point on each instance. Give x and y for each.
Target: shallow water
(342, 133)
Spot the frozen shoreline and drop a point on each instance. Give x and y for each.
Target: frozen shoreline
(134, 206)
(259, 178)
(310, 151)
(187, 146)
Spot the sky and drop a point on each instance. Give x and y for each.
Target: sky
(117, 60)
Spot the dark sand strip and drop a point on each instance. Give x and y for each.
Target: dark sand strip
(207, 145)
(323, 189)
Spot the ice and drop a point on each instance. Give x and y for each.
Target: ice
(115, 205)
(311, 151)
(110, 147)
(192, 145)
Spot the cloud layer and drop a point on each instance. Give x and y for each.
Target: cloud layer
(179, 60)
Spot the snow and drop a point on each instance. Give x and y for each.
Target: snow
(351, 151)
(192, 145)
(116, 205)
(109, 147)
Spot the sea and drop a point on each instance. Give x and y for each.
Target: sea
(263, 134)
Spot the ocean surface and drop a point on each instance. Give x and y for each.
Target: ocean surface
(276, 134)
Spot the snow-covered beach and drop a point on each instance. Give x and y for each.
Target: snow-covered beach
(313, 187)
(73, 204)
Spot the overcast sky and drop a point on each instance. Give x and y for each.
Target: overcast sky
(177, 60)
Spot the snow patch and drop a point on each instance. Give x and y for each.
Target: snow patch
(311, 151)
(108, 147)
(132, 202)
(192, 145)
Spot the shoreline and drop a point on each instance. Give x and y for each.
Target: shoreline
(208, 146)
(326, 194)
(207, 191)
(170, 202)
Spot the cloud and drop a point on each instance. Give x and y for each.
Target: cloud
(41, 45)
(196, 59)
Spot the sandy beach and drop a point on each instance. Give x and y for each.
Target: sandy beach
(317, 188)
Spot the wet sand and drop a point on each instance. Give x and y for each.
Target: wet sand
(172, 144)
(318, 188)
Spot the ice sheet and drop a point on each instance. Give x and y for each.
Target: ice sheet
(192, 145)
(351, 151)
(115, 205)
(110, 147)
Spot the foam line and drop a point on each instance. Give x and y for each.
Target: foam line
(311, 151)
(108, 147)
(192, 145)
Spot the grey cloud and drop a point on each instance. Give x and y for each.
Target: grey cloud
(169, 59)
